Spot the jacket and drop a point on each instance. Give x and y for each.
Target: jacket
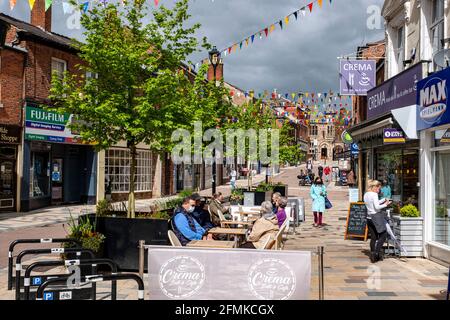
(186, 228)
(262, 230)
(318, 194)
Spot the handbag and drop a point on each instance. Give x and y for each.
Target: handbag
(328, 204)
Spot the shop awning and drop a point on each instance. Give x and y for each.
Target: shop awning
(372, 128)
(407, 119)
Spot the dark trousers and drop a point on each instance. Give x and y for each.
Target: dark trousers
(377, 240)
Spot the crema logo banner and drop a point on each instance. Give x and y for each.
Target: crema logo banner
(181, 277)
(432, 99)
(238, 274)
(271, 279)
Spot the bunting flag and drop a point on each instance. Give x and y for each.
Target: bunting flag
(31, 3)
(156, 2)
(85, 7)
(48, 4)
(12, 4)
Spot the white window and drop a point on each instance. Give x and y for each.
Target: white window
(437, 26)
(59, 66)
(400, 48)
(117, 167)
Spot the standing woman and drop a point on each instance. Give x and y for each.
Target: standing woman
(318, 194)
(376, 220)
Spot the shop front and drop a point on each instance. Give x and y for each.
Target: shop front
(388, 142)
(433, 122)
(58, 167)
(10, 138)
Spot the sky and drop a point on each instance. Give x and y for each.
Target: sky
(303, 57)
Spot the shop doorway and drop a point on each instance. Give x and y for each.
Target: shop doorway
(57, 181)
(7, 178)
(324, 153)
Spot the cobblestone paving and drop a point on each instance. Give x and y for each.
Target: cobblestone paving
(349, 275)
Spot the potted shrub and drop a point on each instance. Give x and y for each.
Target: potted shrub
(281, 188)
(263, 192)
(408, 228)
(237, 197)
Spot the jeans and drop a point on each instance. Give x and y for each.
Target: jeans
(377, 240)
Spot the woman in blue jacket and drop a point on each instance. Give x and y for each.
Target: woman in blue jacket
(318, 195)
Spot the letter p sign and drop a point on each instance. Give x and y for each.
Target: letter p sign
(48, 295)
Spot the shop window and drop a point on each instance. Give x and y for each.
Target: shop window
(441, 229)
(117, 167)
(39, 175)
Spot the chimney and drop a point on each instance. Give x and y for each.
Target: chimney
(219, 71)
(41, 18)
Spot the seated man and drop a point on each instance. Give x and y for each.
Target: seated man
(200, 214)
(215, 206)
(185, 227)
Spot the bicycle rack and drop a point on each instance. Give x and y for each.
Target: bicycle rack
(48, 251)
(30, 241)
(92, 279)
(72, 294)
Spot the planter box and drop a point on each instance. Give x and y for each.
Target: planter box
(281, 189)
(123, 235)
(254, 198)
(442, 230)
(409, 232)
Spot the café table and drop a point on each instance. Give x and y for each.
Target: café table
(237, 232)
(211, 244)
(237, 223)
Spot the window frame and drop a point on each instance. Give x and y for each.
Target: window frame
(64, 62)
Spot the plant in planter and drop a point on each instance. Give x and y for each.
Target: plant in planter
(408, 228)
(237, 196)
(85, 231)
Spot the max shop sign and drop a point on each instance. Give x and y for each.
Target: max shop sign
(9, 134)
(433, 110)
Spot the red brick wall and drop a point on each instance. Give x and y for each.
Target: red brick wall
(39, 69)
(11, 79)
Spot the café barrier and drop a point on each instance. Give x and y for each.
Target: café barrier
(29, 281)
(24, 253)
(179, 273)
(30, 241)
(448, 285)
(42, 295)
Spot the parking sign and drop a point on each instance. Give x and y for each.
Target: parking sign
(48, 296)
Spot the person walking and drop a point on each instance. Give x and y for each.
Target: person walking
(318, 194)
(351, 181)
(376, 220)
(320, 172)
(233, 175)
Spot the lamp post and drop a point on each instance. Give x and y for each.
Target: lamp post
(214, 59)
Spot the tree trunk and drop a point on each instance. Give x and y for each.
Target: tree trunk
(131, 197)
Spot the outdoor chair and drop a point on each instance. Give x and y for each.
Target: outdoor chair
(279, 237)
(173, 239)
(269, 244)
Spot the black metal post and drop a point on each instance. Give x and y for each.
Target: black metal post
(214, 168)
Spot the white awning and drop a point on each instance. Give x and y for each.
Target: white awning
(407, 119)
(374, 127)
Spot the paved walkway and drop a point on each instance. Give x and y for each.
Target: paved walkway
(348, 271)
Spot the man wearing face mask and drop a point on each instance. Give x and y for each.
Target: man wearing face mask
(186, 228)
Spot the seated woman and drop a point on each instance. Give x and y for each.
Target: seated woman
(215, 206)
(281, 212)
(265, 227)
(185, 227)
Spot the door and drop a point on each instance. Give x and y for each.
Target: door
(57, 181)
(7, 179)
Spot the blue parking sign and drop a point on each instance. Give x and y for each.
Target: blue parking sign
(48, 295)
(37, 281)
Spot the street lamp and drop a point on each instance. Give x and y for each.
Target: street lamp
(214, 59)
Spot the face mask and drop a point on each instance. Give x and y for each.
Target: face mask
(191, 209)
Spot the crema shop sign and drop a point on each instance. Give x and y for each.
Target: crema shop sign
(395, 93)
(432, 99)
(49, 126)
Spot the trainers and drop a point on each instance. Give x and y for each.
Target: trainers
(373, 257)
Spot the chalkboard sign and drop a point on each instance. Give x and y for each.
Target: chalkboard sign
(356, 221)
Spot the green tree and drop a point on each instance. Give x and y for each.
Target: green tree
(138, 91)
(290, 151)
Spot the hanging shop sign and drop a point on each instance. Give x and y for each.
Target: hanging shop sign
(346, 138)
(395, 93)
(355, 149)
(48, 126)
(434, 109)
(9, 134)
(357, 77)
(446, 137)
(393, 136)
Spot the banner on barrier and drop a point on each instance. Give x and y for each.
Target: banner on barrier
(199, 274)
